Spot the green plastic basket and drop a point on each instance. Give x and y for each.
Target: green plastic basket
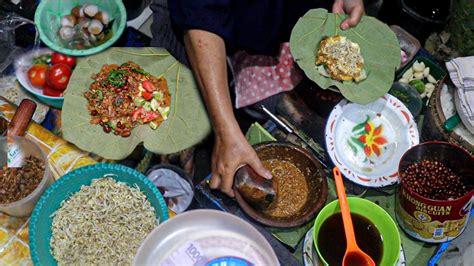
(63, 188)
(49, 13)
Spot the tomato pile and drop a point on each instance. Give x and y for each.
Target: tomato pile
(51, 73)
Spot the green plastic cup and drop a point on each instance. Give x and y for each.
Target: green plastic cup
(48, 16)
(378, 216)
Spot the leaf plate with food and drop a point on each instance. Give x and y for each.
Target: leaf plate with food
(360, 61)
(127, 96)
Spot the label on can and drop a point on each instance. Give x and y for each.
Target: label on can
(432, 221)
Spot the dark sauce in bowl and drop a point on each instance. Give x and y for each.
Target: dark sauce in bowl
(332, 239)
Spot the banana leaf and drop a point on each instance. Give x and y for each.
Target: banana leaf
(378, 44)
(187, 123)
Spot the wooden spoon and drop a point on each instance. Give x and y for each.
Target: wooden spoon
(354, 255)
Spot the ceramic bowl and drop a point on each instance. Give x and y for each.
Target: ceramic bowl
(315, 178)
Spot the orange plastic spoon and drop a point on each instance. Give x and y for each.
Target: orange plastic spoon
(354, 255)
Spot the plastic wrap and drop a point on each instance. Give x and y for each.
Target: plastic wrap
(8, 24)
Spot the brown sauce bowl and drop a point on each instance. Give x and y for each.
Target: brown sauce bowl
(312, 170)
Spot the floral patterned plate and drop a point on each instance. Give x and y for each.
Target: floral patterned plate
(367, 141)
(310, 256)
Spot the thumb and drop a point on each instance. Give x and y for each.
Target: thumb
(353, 19)
(258, 167)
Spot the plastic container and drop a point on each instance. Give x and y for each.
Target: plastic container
(24, 207)
(41, 218)
(22, 65)
(375, 214)
(49, 13)
(408, 43)
(429, 220)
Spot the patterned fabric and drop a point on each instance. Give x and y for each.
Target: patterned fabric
(258, 77)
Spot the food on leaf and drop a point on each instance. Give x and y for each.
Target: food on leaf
(340, 59)
(123, 97)
(102, 224)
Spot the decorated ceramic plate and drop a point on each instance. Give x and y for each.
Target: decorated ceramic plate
(379, 49)
(310, 256)
(366, 142)
(186, 122)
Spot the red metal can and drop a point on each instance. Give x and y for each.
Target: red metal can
(432, 220)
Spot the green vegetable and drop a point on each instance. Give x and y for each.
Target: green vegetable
(154, 105)
(140, 71)
(401, 96)
(116, 78)
(42, 59)
(164, 111)
(111, 125)
(147, 106)
(418, 84)
(153, 125)
(158, 95)
(139, 101)
(99, 95)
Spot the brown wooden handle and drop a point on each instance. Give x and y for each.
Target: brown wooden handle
(21, 119)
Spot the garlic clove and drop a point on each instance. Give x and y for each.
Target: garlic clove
(418, 67)
(66, 33)
(431, 79)
(426, 72)
(90, 10)
(418, 75)
(410, 78)
(429, 89)
(68, 20)
(95, 27)
(403, 80)
(408, 73)
(103, 17)
(78, 11)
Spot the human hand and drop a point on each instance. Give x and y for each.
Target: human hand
(232, 151)
(355, 9)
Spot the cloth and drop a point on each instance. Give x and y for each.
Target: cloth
(258, 76)
(461, 72)
(254, 26)
(164, 35)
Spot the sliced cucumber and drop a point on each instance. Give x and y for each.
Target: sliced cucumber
(153, 125)
(158, 95)
(154, 105)
(147, 106)
(140, 101)
(164, 111)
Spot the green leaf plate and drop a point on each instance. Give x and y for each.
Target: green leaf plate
(378, 44)
(187, 122)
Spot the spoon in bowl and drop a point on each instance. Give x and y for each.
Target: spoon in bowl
(354, 256)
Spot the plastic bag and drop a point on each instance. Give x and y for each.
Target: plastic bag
(8, 50)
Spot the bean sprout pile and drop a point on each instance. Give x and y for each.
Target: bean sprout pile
(102, 224)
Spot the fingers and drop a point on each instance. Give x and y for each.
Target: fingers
(215, 181)
(258, 167)
(338, 7)
(355, 15)
(227, 182)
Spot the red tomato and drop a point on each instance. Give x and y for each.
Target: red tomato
(37, 75)
(58, 76)
(50, 92)
(148, 86)
(147, 95)
(149, 116)
(58, 58)
(138, 113)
